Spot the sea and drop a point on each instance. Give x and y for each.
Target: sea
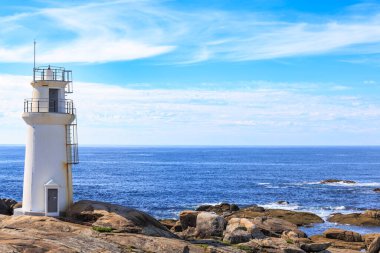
(166, 180)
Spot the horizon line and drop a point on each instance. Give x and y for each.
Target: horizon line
(212, 145)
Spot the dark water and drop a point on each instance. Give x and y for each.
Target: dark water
(166, 180)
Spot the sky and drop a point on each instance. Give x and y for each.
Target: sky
(195, 72)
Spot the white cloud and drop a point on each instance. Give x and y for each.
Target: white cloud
(126, 30)
(369, 82)
(116, 115)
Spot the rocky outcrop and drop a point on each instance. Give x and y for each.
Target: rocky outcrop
(118, 218)
(275, 245)
(341, 239)
(218, 209)
(374, 247)
(7, 206)
(168, 223)
(177, 227)
(275, 227)
(339, 244)
(368, 238)
(188, 218)
(241, 230)
(209, 225)
(297, 218)
(172, 224)
(237, 236)
(42, 234)
(337, 250)
(315, 247)
(334, 181)
(114, 228)
(45, 234)
(343, 235)
(282, 202)
(368, 218)
(374, 214)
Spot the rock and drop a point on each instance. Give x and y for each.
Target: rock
(333, 181)
(46, 234)
(376, 190)
(297, 218)
(374, 247)
(177, 227)
(119, 218)
(218, 209)
(291, 236)
(190, 233)
(241, 230)
(36, 234)
(374, 214)
(142, 243)
(42, 234)
(344, 235)
(315, 247)
(368, 218)
(337, 250)
(253, 208)
(335, 243)
(282, 202)
(188, 218)
(7, 206)
(18, 205)
(368, 238)
(209, 224)
(272, 245)
(237, 236)
(168, 223)
(118, 223)
(275, 227)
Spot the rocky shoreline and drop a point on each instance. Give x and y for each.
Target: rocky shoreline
(92, 226)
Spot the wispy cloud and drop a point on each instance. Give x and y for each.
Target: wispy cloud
(126, 30)
(264, 115)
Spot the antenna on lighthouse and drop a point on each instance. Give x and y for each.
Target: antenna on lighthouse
(34, 61)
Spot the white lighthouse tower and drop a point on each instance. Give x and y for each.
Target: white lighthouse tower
(51, 146)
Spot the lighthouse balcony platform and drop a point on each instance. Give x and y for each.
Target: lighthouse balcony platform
(48, 112)
(45, 105)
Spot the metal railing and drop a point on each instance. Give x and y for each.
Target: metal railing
(49, 105)
(52, 73)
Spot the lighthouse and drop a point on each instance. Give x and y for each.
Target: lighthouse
(51, 145)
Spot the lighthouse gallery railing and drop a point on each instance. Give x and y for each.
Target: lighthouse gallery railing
(52, 73)
(49, 105)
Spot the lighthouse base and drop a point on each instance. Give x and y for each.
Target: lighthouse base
(20, 211)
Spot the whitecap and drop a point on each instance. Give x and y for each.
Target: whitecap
(340, 208)
(285, 206)
(208, 204)
(325, 212)
(358, 184)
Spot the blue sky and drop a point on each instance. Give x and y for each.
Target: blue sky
(217, 72)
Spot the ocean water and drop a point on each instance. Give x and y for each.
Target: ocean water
(165, 180)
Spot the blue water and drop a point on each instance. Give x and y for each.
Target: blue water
(165, 180)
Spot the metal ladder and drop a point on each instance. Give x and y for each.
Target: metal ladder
(72, 142)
